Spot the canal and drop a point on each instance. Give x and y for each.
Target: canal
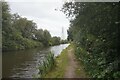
(24, 63)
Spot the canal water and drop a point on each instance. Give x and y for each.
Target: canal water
(24, 63)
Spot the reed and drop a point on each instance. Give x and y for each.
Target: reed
(46, 64)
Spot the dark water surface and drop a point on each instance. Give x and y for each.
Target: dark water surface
(24, 63)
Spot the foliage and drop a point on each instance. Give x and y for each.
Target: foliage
(61, 62)
(47, 64)
(43, 36)
(20, 33)
(95, 31)
(55, 40)
(47, 38)
(64, 41)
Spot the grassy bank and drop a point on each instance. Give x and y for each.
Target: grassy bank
(61, 63)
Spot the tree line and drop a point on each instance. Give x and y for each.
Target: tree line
(94, 28)
(20, 33)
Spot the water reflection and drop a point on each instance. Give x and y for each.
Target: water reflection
(23, 63)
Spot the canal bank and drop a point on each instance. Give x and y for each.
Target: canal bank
(67, 66)
(61, 63)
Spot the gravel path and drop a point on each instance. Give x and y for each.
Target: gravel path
(74, 66)
(70, 70)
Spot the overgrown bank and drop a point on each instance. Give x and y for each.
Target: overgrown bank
(94, 28)
(66, 66)
(46, 65)
(61, 62)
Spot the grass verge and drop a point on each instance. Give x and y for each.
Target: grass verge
(61, 64)
(80, 70)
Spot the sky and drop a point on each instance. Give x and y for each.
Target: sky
(43, 13)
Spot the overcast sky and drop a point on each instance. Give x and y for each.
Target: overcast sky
(43, 13)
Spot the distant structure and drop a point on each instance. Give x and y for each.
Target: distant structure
(62, 35)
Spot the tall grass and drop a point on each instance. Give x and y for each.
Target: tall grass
(47, 64)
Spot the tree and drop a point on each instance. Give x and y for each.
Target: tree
(43, 36)
(6, 24)
(55, 40)
(39, 35)
(94, 29)
(19, 32)
(47, 37)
